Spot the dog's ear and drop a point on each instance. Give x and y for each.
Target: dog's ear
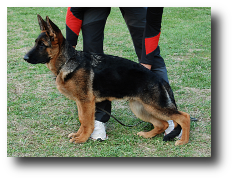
(53, 29)
(42, 23)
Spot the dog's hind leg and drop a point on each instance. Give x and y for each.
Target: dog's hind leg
(183, 119)
(86, 112)
(159, 119)
(159, 125)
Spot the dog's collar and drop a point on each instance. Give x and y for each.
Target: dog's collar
(69, 66)
(72, 60)
(59, 69)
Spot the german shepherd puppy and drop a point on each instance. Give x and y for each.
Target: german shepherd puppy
(88, 78)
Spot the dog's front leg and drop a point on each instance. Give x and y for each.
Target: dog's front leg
(86, 111)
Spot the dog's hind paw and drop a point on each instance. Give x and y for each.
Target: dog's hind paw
(179, 142)
(145, 134)
(141, 133)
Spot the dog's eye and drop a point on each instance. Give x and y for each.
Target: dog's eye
(41, 43)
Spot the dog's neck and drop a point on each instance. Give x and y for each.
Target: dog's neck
(67, 52)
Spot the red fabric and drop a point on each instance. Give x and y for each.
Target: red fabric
(151, 43)
(72, 22)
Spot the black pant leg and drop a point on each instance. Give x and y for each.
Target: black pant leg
(100, 115)
(135, 18)
(93, 25)
(93, 35)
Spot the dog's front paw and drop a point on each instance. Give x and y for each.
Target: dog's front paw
(77, 138)
(72, 135)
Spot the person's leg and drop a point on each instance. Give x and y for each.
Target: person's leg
(100, 115)
(162, 72)
(93, 35)
(135, 18)
(159, 67)
(93, 25)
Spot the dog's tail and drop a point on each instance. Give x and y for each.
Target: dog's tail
(167, 93)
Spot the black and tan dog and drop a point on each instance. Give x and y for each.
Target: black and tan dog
(88, 78)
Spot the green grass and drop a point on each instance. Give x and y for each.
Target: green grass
(40, 118)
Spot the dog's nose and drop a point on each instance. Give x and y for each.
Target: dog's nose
(26, 58)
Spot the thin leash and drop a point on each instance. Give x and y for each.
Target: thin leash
(118, 120)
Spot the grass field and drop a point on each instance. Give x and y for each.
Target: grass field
(40, 118)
